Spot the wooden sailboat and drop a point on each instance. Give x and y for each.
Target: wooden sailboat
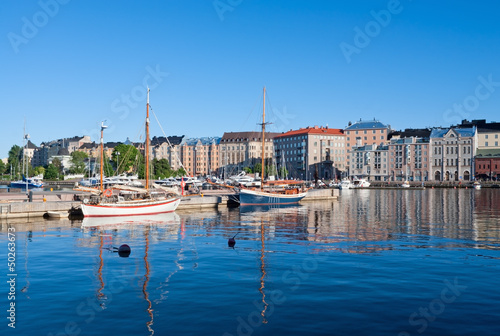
(266, 196)
(131, 201)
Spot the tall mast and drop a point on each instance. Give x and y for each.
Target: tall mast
(147, 142)
(263, 138)
(102, 153)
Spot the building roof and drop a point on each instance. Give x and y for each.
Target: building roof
(31, 145)
(481, 124)
(366, 124)
(246, 136)
(463, 132)
(411, 132)
(203, 141)
(488, 153)
(312, 130)
(63, 151)
(174, 140)
(88, 145)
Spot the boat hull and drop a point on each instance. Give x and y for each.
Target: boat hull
(131, 208)
(254, 197)
(22, 185)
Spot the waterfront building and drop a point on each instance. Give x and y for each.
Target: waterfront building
(46, 150)
(363, 133)
(409, 155)
(487, 164)
(369, 162)
(28, 152)
(488, 134)
(452, 153)
(311, 152)
(200, 156)
(168, 148)
(244, 149)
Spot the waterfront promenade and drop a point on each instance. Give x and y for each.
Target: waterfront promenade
(39, 203)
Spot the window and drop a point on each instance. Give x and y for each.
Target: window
(486, 136)
(486, 143)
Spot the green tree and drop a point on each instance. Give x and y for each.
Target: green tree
(40, 170)
(247, 170)
(283, 172)
(161, 168)
(3, 168)
(126, 159)
(257, 168)
(14, 160)
(51, 173)
(78, 162)
(108, 168)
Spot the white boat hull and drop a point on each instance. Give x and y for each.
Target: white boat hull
(130, 208)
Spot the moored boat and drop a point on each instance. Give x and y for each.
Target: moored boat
(269, 196)
(132, 202)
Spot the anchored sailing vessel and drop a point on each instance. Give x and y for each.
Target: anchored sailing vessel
(266, 196)
(131, 201)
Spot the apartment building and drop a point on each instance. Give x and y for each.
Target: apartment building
(452, 153)
(311, 152)
(244, 149)
(363, 133)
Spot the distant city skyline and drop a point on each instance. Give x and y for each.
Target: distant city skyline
(410, 64)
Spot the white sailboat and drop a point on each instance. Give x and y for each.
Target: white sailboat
(130, 201)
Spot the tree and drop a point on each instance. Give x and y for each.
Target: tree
(3, 168)
(51, 173)
(14, 159)
(40, 171)
(78, 162)
(161, 168)
(247, 170)
(125, 157)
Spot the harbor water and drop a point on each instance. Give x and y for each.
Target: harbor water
(374, 262)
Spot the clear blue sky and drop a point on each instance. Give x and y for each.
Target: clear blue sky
(323, 62)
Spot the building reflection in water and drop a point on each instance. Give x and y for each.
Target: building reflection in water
(376, 215)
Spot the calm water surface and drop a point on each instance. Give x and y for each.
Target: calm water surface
(375, 262)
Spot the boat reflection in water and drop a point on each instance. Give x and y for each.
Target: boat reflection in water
(246, 209)
(171, 221)
(164, 219)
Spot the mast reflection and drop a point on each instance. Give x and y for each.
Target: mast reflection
(263, 271)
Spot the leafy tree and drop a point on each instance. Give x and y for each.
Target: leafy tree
(40, 170)
(247, 170)
(108, 169)
(271, 170)
(126, 159)
(58, 164)
(51, 173)
(161, 168)
(257, 168)
(283, 172)
(78, 162)
(3, 168)
(14, 159)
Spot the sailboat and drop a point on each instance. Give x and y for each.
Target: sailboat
(267, 196)
(130, 201)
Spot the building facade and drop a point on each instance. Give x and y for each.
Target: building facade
(487, 164)
(311, 152)
(244, 149)
(365, 133)
(452, 154)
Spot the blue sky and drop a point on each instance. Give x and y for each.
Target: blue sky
(69, 64)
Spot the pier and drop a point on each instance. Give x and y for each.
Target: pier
(38, 203)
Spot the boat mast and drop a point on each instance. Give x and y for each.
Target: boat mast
(146, 155)
(263, 139)
(102, 154)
